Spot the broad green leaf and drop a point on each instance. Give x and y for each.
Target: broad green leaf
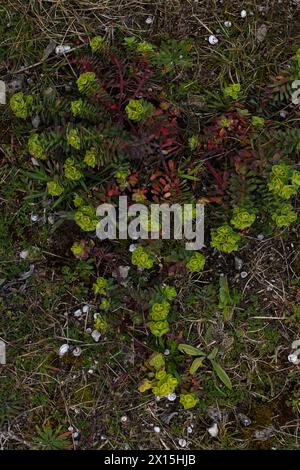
(222, 375)
(198, 362)
(190, 350)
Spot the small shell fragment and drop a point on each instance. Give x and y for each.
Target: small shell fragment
(243, 14)
(63, 349)
(77, 351)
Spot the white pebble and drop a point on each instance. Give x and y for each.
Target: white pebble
(293, 358)
(96, 335)
(182, 442)
(132, 247)
(156, 429)
(243, 14)
(85, 308)
(35, 162)
(166, 352)
(213, 40)
(124, 419)
(171, 396)
(149, 20)
(62, 49)
(34, 217)
(24, 254)
(189, 430)
(78, 313)
(63, 349)
(227, 24)
(213, 431)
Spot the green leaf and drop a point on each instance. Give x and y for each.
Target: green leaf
(198, 362)
(190, 350)
(222, 375)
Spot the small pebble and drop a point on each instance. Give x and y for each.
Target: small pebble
(149, 20)
(213, 431)
(75, 435)
(124, 419)
(244, 274)
(243, 14)
(189, 430)
(24, 254)
(35, 162)
(62, 49)
(132, 247)
(85, 308)
(166, 352)
(213, 40)
(34, 217)
(156, 429)
(182, 442)
(96, 335)
(227, 24)
(260, 237)
(171, 397)
(78, 313)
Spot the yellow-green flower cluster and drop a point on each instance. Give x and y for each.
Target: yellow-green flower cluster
(77, 249)
(257, 121)
(97, 43)
(164, 384)
(196, 263)
(242, 218)
(73, 138)
(145, 47)
(188, 400)
(100, 286)
(100, 323)
(193, 142)
(90, 158)
(105, 304)
(159, 328)
(121, 177)
(225, 239)
(71, 170)
(137, 110)
(169, 292)
(78, 200)
(77, 107)
(232, 91)
(54, 188)
(87, 83)
(141, 258)
(284, 182)
(20, 104)
(284, 216)
(35, 147)
(86, 218)
(160, 311)
(156, 361)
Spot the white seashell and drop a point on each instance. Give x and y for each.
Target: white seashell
(213, 40)
(34, 217)
(77, 351)
(227, 24)
(63, 349)
(213, 431)
(96, 335)
(62, 49)
(244, 274)
(124, 419)
(189, 430)
(149, 20)
(166, 352)
(156, 429)
(243, 14)
(78, 313)
(85, 308)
